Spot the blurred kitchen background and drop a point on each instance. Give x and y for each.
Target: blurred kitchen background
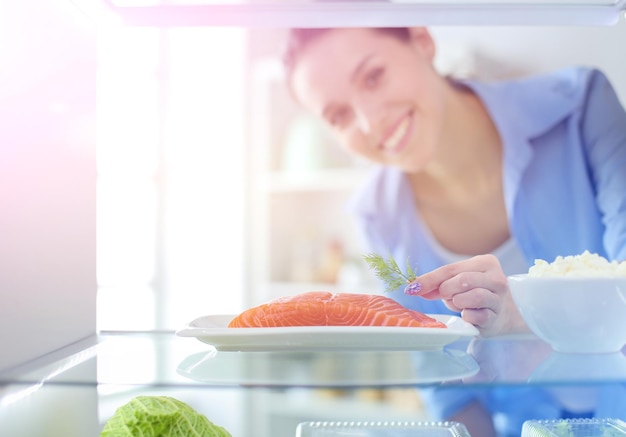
(206, 188)
(216, 192)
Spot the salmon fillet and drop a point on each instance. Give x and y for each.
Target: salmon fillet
(321, 308)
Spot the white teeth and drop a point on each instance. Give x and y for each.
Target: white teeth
(394, 139)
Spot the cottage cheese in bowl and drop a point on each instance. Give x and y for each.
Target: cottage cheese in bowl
(584, 265)
(575, 303)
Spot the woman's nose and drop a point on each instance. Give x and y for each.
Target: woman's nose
(363, 122)
(366, 115)
(367, 112)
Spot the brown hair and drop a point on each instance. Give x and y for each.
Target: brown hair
(298, 39)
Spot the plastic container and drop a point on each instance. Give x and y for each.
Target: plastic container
(574, 428)
(381, 429)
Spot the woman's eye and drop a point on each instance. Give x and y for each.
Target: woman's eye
(373, 77)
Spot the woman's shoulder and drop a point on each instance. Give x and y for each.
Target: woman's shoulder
(537, 102)
(570, 84)
(568, 92)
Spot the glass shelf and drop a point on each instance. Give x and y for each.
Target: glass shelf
(267, 394)
(164, 359)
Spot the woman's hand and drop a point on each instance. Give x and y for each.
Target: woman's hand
(478, 289)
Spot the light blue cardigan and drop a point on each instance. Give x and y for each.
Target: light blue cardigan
(564, 169)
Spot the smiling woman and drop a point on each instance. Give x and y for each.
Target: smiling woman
(469, 177)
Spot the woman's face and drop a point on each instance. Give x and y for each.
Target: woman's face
(379, 94)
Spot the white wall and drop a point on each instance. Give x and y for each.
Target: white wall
(519, 50)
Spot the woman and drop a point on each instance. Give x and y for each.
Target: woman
(474, 181)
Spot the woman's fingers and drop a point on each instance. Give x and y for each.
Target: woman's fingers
(477, 306)
(477, 288)
(476, 298)
(481, 271)
(482, 318)
(451, 306)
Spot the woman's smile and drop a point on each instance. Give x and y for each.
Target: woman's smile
(397, 138)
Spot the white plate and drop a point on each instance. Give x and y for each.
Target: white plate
(213, 330)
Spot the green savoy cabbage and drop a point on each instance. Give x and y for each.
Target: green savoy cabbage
(159, 416)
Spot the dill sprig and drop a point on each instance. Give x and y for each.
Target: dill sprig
(389, 271)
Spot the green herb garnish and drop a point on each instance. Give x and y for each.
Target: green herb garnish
(389, 271)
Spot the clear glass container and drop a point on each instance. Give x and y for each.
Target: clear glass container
(381, 429)
(574, 428)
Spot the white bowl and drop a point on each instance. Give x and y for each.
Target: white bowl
(573, 314)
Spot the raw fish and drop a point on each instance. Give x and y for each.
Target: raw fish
(321, 308)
